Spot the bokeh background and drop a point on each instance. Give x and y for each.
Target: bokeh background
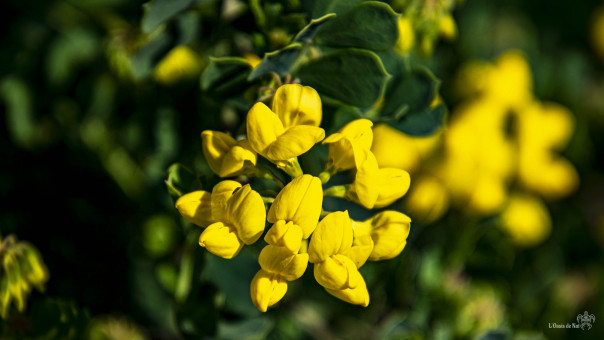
(94, 113)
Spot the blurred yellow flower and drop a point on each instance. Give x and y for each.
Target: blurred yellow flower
(341, 156)
(447, 27)
(295, 104)
(272, 140)
(333, 269)
(395, 149)
(179, 64)
(252, 59)
(427, 200)
(226, 156)
(240, 222)
(542, 129)
(406, 35)
(526, 220)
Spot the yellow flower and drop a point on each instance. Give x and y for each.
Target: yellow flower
(279, 264)
(241, 222)
(272, 140)
(267, 289)
(389, 232)
(226, 156)
(357, 132)
(395, 149)
(543, 128)
(526, 220)
(180, 63)
(196, 207)
(299, 202)
(427, 200)
(333, 269)
(406, 35)
(295, 104)
(511, 82)
(447, 27)
(374, 187)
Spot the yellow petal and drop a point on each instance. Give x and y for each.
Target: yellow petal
(267, 289)
(526, 219)
(332, 236)
(246, 212)
(428, 199)
(240, 160)
(282, 261)
(220, 195)
(300, 201)
(195, 207)
(293, 142)
(263, 127)
(392, 184)
(297, 105)
(337, 272)
(390, 230)
(216, 145)
(357, 132)
(364, 189)
(221, 240)
(362, 244)
(285, 234)
(357, 296)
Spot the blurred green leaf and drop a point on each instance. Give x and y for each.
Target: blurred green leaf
(353, 76)
(181, 180)
(225, 75)
(156, 12)
(333, 6)
(249, 329)
(233, 277)
(159, 235)
(279, 61)
(410, 92)
(309, 31)
(57, 319)
(75, 47)
(19, 118)
(167, 276)
(371, 25)
(423, 123)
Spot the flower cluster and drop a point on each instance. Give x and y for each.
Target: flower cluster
(500, 138)
(234, 215)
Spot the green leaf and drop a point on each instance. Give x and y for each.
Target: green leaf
(309, 31)
(159, 11)
(248, 329)
(232, 278)
(181, 180)
(410, 92)
(225, 75)
(159, 235)
(371, 25)
(279, 61)
(333, 6)
(352, 76)
(343, 116)
(422, 123)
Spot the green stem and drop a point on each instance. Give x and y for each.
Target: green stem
(262, 172)
(335, 191)
(292, 168)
